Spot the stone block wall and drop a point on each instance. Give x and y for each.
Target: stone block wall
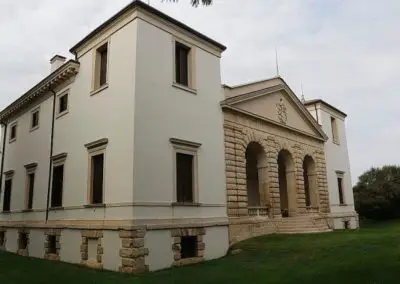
(177, 235)
(49, 254)
(93, 235)
(133, 252)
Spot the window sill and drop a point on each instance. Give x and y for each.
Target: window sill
(185, 204)
(95, 205)
(12, 140)
(6, 212)
(61, 114)
(336, 142)
(98, 90)
(342, 205)
(185, 88)
(56, 208)
(34, 128)
(27, 210)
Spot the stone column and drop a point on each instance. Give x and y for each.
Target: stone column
(300, 190)
(133, 251)
(322, 182)
(273, 178)
(235, 171)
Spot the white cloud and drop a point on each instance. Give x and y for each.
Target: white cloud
(345, 52)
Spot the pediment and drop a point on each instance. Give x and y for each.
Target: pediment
(280, 105)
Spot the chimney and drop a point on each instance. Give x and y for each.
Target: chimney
(56, 61)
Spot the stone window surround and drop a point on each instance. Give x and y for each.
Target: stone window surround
(96, 88)
(31, 127)
(57, 234)
(92, 234)
(191, 88)
(133, 252)
(177, 235)
(3, 241)
(30, 169)
(341, 174)
(58, 160)
(23, 252)
(190, 148)
(13, 124)
(59, 96)
(96, 148)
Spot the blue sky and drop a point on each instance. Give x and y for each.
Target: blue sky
(345, 52)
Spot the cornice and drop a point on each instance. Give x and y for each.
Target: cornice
(59, 76)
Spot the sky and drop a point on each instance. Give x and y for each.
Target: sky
(346, 52)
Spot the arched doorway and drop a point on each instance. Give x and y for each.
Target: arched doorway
(310, 183)
(287, 183)
(256, 179)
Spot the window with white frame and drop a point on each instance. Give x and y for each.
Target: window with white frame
(29, 185)
(340, 177)
(62, 104)
(35, 119)
(96, 171)
(334, 127)
(183, 64)
(185, 170)
(13, 132)
(101, 66)
(7, 190)
(57, 181)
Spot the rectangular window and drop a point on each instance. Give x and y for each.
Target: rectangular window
(23, 241)
(13, 133)
(182, 75)
(335, 136)
(57, 186)
(2, 238)
(101, 66)
(340, 188)
(62, 103)
(7, 195)
(31, 184)
(52, 243)
(188, 247)
(97, 178)
(184, 177)
(35, 119)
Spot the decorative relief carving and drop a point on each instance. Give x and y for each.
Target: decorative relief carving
(282, 111)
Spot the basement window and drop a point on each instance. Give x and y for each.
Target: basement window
(188, 247)
(2, 238)
(23, 241)
(52, 242)
(346, 225)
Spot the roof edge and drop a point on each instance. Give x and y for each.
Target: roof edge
(138, 3)
(316, 101)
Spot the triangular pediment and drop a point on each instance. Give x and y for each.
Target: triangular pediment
(277, 104)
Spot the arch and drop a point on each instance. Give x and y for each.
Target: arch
(287, 183)
(256, 162)
(310, 182)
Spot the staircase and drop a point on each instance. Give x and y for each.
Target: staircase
(302, 224)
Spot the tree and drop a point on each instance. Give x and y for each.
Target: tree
(196, 3)
(377, 193)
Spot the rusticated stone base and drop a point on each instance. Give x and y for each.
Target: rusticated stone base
(24, 251)
(86, 236)
(133, 251)
(52, 253)
(177, 235)
(244, 228)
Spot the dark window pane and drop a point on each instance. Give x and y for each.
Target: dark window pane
(52, 245)
(35, 119)
(7, 195)
(57, 186)
(184, 177)
(182, 64)
(97, 179)
(103, 52)
(340, 186)
(13, 132)
(23, 241)
(188, 247)
(31, 183)
(63, 103)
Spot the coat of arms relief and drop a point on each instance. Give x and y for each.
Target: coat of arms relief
(282, 112)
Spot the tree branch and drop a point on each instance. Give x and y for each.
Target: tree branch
(196, 3)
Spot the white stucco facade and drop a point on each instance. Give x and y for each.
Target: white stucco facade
(337, 163)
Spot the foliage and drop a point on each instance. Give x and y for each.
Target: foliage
(377, 193)
(368, 255)
(196, 3)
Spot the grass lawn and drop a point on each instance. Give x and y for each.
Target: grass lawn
(369, 255)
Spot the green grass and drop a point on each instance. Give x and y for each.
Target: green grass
(369, 255)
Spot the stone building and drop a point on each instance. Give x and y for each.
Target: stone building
(110, 162)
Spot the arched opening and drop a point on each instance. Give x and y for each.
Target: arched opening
(310, 183)
(256, 175)
(287, 183)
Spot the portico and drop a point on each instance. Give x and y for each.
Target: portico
(275, 163)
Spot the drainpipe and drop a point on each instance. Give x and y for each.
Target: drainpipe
(51, 154)
(2, 154)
